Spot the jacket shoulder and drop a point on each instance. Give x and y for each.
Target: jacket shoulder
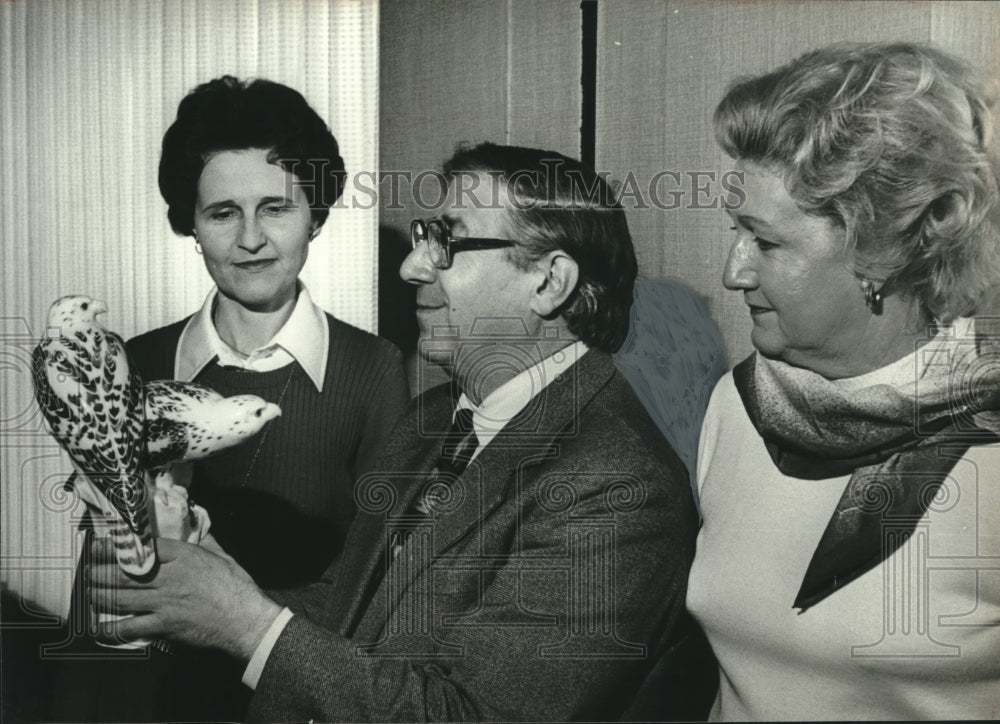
(616, 429)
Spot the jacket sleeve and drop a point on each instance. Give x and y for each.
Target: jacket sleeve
(309, 600)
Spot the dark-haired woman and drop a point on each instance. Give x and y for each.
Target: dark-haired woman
(249, 170)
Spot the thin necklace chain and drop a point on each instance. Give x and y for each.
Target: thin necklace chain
(267, 429)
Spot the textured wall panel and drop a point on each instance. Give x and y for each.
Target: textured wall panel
(970, 29)
(443, 81)
(544, 61)
(663, 66)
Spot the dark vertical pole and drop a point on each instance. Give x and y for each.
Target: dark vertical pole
(588, 82)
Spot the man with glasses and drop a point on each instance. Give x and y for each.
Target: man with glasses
(523, 551)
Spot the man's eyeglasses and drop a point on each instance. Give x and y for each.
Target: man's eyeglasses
(442, 245)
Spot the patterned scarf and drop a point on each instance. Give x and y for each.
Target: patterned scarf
(886, 429)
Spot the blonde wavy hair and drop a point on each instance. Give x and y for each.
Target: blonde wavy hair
(893, 142)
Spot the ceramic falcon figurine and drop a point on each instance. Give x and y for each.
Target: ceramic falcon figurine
(92, 402)
(186, 421)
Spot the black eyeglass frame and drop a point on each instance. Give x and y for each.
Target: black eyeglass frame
(444, 246)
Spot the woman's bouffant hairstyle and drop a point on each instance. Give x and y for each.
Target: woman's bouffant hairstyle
(226, 114)
(555, 202)
(892, 141)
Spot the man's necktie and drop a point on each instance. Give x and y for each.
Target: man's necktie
(459, 445)
(457, 449)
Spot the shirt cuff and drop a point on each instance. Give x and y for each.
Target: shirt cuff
(256, 666)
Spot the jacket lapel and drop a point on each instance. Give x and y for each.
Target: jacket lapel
(529, 439)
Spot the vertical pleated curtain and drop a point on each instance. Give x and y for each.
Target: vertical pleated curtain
(87, 88)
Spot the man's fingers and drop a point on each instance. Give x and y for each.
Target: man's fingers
(168, 549)
(109, 575)
(126, 630)
(102, 550)
(121, 600)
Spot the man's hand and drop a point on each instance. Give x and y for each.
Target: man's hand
(197, 597)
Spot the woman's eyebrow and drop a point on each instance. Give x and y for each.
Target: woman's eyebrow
(263, 202)
(218, 204)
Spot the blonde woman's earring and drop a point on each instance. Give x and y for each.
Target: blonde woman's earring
(197, 246)
(873, 296)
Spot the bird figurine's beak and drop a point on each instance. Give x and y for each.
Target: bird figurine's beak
(97, 306)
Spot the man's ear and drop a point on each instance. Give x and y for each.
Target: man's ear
(559, 274)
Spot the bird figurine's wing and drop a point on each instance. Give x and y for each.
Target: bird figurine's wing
(168, 403)
(166, 443)
(187, 421)
(55, 411)
(173, 397)
(92, 400)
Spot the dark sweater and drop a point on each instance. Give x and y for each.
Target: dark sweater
(281, 502)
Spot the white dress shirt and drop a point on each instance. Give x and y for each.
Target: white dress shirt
(304, 338)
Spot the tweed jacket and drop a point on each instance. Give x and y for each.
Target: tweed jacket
(549, 584)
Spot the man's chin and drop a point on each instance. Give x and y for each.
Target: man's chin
(435, 356)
